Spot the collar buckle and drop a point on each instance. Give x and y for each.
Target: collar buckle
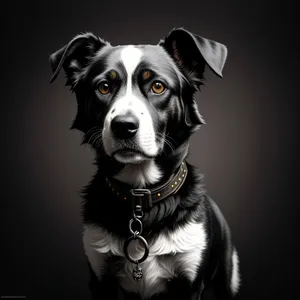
(141, 197)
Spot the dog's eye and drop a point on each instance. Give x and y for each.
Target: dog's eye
(158, 87)
(104, 88)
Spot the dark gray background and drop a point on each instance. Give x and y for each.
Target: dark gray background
(247, 150)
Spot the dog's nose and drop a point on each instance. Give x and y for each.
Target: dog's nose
(124, 126)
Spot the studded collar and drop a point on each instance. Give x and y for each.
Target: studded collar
(146, 198)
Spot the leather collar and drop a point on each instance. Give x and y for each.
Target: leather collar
(146, 198)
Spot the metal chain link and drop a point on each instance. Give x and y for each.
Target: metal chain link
(137, 215)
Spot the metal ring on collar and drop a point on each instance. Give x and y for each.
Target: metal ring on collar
(145, 244)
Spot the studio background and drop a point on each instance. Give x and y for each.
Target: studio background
(247, 150)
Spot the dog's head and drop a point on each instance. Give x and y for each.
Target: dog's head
(136, 103)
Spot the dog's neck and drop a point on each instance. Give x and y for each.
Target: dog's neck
(140, 175)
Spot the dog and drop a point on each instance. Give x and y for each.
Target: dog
(150, 229)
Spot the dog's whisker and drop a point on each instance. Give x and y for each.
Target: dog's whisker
(166, 141)
(170, 138)
(90, 140)
(99, 143)
(92, 129)
(92, 132)
(96, 136)
(88, 134)
(97, 140)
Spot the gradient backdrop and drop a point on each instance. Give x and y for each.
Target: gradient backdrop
(247, 150)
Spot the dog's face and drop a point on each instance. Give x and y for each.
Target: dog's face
(138, 87)
(134, 100)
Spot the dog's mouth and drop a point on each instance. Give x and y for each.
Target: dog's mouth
(130, 155)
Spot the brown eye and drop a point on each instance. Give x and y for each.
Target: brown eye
(104, 88)
(158, 87)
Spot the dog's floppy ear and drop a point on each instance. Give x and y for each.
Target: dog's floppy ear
(75, 55)
(192, 52)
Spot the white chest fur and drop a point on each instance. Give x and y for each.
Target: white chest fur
(184, 248)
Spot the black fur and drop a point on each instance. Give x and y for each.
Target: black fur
(188, 54)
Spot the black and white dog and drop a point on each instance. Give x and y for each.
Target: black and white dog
(136, 109)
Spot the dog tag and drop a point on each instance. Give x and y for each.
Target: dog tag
(137, 273)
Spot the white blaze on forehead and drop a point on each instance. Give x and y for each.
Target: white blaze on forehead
(131, 57)
(134, 103)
